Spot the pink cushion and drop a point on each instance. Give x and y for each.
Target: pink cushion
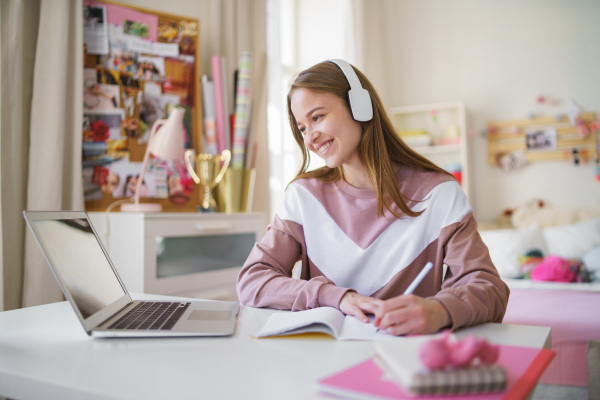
(573, 317)
(555, 269)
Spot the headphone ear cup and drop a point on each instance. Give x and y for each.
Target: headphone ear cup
(360, 104)
(359, 99)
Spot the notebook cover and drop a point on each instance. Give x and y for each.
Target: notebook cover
(366, 380)
(480, 379)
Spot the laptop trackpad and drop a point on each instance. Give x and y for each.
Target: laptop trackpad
(210, 315)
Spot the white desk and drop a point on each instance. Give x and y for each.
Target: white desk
(45, 354)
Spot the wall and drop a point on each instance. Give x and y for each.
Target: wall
(497, 57)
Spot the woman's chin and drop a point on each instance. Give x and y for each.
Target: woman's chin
(331, 162)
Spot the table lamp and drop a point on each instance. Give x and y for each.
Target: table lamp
(166, 143)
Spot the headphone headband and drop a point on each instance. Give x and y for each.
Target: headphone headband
(358, 97)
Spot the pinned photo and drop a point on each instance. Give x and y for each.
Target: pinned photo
(541, 138)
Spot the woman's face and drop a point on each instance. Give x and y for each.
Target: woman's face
(112, 182)
(132, 183)
(327, 126)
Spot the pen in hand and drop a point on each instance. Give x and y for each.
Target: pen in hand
(413, 285)
(411, 288)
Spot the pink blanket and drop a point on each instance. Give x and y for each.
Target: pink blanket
(574, 318)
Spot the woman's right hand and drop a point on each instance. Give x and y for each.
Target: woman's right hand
(358, 305)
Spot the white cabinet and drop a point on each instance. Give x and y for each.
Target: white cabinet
(182, 254)
(437, 131)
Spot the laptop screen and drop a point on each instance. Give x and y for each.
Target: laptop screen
(75, 254)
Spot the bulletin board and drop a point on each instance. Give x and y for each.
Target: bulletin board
(138, 64)
(543, 138)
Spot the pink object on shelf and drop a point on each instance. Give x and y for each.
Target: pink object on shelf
(221, 102)
(449, 140)
(458, 176)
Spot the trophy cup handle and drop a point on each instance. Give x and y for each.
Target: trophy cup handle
(226, 158)
(189, 157)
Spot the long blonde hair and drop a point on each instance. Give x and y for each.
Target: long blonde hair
(380, 146)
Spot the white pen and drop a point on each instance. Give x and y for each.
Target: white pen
(413, 285)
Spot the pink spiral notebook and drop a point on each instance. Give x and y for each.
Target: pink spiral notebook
(366, 380)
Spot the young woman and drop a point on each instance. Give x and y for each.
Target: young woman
(365, 224)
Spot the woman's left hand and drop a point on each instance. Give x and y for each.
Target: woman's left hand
(358, 305)
(411, 315)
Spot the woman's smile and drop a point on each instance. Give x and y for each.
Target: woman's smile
(323, 149)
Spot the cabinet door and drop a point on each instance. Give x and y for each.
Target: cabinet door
(198, 256)
(184, 255)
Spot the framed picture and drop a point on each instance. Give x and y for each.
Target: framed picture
(541, 138)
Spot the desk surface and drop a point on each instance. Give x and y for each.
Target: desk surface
(45, 353)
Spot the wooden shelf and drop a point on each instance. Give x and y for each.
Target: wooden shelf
(438, 120)
(439, 149)
(505, 137)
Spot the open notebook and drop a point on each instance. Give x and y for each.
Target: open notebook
(92, 285)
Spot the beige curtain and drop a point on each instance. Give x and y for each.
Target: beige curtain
(42, 57)
(18, 41)
(42, 116)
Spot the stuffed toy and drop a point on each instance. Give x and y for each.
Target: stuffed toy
(443, 353)
(555, 269)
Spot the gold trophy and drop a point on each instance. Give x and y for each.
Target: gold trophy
(211, 169)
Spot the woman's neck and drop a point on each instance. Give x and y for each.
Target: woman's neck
(356, 177)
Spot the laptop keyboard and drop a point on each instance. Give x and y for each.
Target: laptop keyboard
(150, 315)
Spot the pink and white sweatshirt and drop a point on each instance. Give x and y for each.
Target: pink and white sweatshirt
(333, 228)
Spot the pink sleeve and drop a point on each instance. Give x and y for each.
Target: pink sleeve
(472, 291)
(265, 279)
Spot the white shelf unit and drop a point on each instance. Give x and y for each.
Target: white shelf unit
(438, 120)
(180, 254)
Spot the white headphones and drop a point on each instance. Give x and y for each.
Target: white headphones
(358, 97)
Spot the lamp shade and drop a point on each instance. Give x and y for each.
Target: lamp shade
(167, 143)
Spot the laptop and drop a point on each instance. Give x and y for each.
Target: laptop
(90, 282)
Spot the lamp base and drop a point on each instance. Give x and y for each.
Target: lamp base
(141, 207)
